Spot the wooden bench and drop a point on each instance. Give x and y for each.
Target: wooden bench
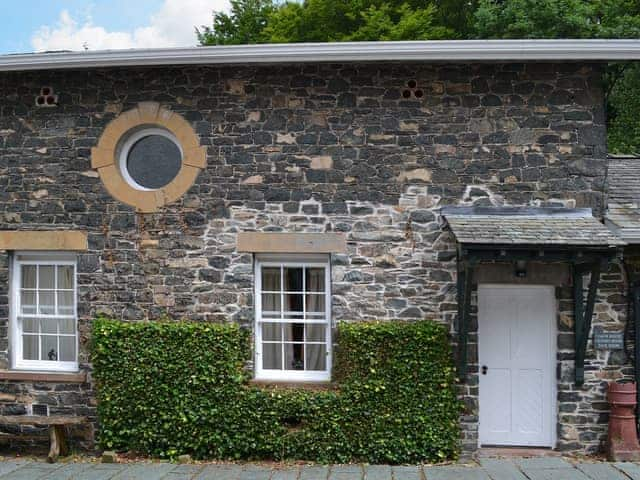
(56, 424)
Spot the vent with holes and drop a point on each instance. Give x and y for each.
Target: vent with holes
(412, 90)
(40, 410)
(46, 98)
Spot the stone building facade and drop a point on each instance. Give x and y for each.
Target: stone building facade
(371, 151)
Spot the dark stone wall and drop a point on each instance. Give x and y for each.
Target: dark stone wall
(347, 148)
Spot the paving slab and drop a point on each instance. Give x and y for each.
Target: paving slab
(631, 470)
(407, 473)
(100, 471)
(183, 472)
(556, 474)
(219, 472)
(314, 472)
(377, 472)
(601, 471)
(541, 463)
(346, 472)
(10, 466)
(32, 471)
(69, 471)
(255, 472)
(501, 469)
(455, 473)
(286, 473)
(148, 471)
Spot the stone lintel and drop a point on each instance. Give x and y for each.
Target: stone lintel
(61, 240)
(270, 242)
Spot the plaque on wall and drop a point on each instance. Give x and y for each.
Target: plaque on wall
(607, 340)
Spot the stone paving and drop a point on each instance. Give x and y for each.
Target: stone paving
(487, 469)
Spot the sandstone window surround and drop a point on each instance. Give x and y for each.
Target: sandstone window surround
(148, 122)
(293, 318)
(43, 317)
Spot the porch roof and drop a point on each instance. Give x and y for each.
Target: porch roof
(520, 226)
(623, 209)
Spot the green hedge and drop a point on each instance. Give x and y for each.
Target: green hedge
(167, 388)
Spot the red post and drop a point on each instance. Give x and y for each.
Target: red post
(623, 443)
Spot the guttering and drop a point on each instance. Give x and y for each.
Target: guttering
(417, 51)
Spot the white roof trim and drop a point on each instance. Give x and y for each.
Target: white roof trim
(421, 51)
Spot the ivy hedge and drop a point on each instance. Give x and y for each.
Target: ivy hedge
(168, 388)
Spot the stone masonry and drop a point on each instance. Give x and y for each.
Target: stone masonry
(311, 148)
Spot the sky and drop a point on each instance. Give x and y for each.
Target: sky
(41, 25)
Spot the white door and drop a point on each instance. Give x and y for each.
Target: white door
(516, 341)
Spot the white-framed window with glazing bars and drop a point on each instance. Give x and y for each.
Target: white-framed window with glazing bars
(43, 312)
(293, 318)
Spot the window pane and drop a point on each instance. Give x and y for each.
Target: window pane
(47, 277)
(65, 303)
(316, 333)
(30, 325)
(315, 279)
(49, 349)
(49, 325)
(293, 304)
(294, 356)
(315, 303)
(30, 347)
(154, 161)
(27, 302)
(316, 357)
(293, 332)
(293, 279)
(28, 276)
(271, 332)
(272, 356)
(67, 349)
(65, 277)
(271, 305)
(67, 325)
(271, 279)
(47, 303)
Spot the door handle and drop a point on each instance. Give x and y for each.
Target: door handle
(484, 369)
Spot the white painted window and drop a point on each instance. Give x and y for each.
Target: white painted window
(43, 312)
(293, 318)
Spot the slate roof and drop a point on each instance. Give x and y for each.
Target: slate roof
(623, 199)
(528, 226)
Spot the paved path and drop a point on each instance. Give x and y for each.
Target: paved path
(552, 468)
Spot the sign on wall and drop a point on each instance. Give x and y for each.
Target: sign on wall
(607, 340)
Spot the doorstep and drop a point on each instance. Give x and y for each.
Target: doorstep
(515, 452)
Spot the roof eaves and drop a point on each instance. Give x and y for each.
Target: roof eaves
(420, 51)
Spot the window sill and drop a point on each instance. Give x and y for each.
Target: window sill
(54, 377)
(308, 385)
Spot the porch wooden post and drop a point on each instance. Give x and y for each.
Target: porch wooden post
(465, 280)
(583, 325)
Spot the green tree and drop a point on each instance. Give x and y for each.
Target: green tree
(326, 21)
(242, 25)
(624, 112)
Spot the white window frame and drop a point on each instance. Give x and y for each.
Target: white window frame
(46, 259)
(292, 260)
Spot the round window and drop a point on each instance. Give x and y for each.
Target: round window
(150, 158)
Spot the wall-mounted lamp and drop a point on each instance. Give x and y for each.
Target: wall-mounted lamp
(521, 268)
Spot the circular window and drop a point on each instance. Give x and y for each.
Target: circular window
(150, 158)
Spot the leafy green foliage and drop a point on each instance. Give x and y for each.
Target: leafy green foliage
(243, 24)
(624, 111)
(167, 388)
